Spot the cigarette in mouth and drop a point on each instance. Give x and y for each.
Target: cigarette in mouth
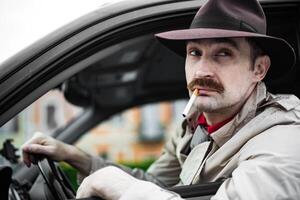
(190, 103)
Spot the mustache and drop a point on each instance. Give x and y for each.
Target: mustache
(206, 83)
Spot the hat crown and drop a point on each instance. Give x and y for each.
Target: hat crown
(239, 15)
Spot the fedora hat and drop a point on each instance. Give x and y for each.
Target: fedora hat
(233, 18)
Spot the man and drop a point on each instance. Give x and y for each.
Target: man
(236, 132)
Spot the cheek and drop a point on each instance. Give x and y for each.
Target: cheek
(236, 82)
(188, 72)
(239, 86)
(188, 76)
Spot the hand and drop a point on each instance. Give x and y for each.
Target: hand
(45, 145)
(109, 183)
(112, 183)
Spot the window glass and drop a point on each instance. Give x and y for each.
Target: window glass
(136, 136)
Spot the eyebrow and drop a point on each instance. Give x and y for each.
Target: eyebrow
(228, 41)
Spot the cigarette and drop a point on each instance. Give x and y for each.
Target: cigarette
(190, 103)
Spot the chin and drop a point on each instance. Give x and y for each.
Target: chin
(206, 107)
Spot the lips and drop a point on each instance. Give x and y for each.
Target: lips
(202, 89)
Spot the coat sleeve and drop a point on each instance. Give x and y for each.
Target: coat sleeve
(269, 168)
(167, 167)
(148, 191)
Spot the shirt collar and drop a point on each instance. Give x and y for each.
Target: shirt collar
(211, 128)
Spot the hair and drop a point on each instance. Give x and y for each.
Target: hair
(255, 50)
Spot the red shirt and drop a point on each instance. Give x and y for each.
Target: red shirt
(211, 128)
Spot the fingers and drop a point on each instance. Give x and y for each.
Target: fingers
(85, 190)
(108, 183)
(26, 158)
(36, 149)
(36, 145)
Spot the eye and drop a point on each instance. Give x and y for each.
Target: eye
(223, 53)
(194, 53)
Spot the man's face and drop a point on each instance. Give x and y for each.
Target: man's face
(222, 71)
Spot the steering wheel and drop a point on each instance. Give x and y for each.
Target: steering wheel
(57, 182)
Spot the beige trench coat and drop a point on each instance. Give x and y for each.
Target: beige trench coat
(257, 153)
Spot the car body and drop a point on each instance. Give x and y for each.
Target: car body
(109, 60)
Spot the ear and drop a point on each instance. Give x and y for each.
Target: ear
(261, 67)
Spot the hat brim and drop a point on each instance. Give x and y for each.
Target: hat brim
(281, 53)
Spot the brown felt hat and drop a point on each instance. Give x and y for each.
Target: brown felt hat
(233, 18)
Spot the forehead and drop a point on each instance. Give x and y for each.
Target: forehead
(236, 43)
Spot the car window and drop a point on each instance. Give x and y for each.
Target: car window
(136, 136)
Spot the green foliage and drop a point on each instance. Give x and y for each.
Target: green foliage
(71, 173)
(144, 165)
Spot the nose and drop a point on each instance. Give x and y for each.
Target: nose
(203, 74)
(204, 69)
